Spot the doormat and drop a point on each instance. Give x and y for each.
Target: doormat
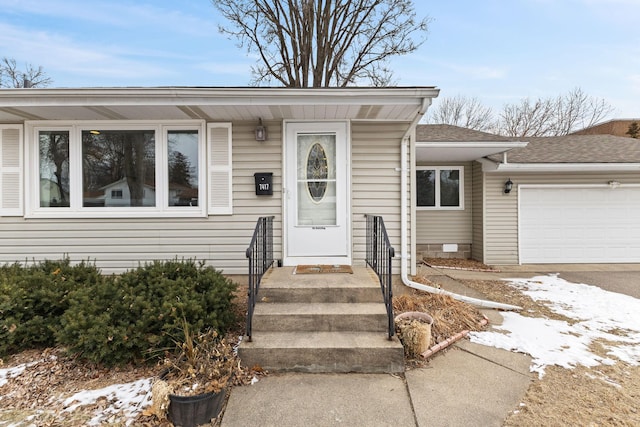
(322, 269)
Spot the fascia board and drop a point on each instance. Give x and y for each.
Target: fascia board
(214, 96)
(501, 145)
(562, 167)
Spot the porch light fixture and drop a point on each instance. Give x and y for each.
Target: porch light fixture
(508, 186)
(261, 132)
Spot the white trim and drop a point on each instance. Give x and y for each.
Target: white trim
(489, 166)
(479, 144)
(483, 198)
(76, 208)
(604, 185)
(519, 222)
(55, 97)
(413, 220)
(437, 206)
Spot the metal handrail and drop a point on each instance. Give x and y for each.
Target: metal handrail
(379, 257)
(260, 254)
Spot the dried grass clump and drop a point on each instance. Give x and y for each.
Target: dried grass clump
(449, 316)
(415, 336)
(205, 363)
(160, 392)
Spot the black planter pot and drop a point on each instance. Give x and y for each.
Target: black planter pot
(191, 411)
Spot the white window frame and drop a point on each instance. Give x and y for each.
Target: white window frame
(437, 206)
(76, 210)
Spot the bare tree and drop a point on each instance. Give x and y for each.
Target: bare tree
(528, 118)
(576, 110)
(553, 116)
(464, 112)
(322, 43)
(12, 77)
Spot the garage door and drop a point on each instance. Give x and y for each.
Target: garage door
(579, 225)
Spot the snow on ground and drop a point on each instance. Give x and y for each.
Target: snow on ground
(130, 398)
(7, 374)
(599, 314)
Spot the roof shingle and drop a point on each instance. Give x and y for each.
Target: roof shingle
(557, 149)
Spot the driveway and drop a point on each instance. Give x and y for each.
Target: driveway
(621, 278)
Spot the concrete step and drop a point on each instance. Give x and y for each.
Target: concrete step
(320, 317)
(281, 285)
(370, 352)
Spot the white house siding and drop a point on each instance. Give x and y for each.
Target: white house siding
(375, 186)
(477, 216)
(119, 244)
(501, 210)
(437, 227)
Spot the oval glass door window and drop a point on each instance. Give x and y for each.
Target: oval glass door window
(317, 172)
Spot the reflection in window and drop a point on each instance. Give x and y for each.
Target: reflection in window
(183, 167)
(119, 160)
(426, 187)
(54, 168)
(450, 187)
(439, 187)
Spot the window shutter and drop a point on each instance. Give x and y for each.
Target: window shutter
(11, 181)
(219, 169)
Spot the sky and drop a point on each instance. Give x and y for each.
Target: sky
(498, 51)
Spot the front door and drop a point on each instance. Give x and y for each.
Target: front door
(316, 194)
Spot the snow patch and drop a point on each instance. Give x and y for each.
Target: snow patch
(599, 314)
(129, 398)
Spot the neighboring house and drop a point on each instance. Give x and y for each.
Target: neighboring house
(51, 194)
(335, 154)
(617, 127)
(117, 194)
(574, 199)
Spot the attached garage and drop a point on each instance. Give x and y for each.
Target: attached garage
(547, 200)
(579, 224)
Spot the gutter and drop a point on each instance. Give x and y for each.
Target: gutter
(403, 230)
(491, 166)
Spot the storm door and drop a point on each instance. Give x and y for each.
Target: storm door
(316, 194)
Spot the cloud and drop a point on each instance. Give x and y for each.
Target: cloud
(60, 55)
(116, 14)
(479, 72)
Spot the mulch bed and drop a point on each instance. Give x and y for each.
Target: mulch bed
(458, 264)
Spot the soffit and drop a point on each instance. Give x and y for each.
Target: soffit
(213, 104)
(461, 151)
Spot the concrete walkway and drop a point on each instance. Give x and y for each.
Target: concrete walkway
(469, 384)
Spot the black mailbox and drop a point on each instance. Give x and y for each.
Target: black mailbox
(264, 183)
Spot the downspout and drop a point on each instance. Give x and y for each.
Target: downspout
(404, 256)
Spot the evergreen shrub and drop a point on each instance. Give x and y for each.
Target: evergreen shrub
(33, 299)
(134, 316)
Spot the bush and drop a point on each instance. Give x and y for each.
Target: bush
(34, 298)
(127, 318)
